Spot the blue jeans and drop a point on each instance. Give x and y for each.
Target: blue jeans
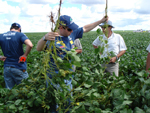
(13, 76)
(54, 106)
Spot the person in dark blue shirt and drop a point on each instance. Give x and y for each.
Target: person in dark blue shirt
(66, 34)
(64, 39)
(14, 58)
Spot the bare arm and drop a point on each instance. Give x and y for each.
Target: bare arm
(29, 46)
(49, 36)
(95, 46)
(41, 44)
(91, 26)
(113, 59)
(148, 62)
(121, 53)
(79, 51)
(2, 58)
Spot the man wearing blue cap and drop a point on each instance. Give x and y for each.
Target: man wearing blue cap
(11, 44)
(116, 45)
(67, 32)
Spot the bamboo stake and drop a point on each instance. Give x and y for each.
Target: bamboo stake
(106, 8)
(106, 29)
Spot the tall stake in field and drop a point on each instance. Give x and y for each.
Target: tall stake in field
(51, 51)
(104, 41)
(106, 33)
(106, 8)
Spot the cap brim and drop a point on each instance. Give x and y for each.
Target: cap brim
(73, 26)
(104, 25)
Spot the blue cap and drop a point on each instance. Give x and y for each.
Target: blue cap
(67, 21)
(16, 25)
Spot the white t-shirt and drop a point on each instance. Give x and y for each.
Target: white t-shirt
(148, 48)
(115, 44)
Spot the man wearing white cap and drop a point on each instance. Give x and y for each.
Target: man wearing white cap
(116, 45)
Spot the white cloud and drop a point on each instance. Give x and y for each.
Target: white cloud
(43, 1)
(37, 1)
(142, 7)
(8, 14)
(13, 0)
(87, 2)
(3, 7)
(125, 14)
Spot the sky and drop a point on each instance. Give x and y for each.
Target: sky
(33, 15)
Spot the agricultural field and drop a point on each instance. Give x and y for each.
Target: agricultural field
(94, 91)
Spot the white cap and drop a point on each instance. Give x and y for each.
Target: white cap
(107, 23)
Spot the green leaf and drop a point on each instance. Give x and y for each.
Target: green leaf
(122, 81)
(96, 95)
(1, 104)
(126, 111)
(30, 103)
(98, 31)
(112, 54)
(23, 103)
(141, 79)
(87, 85)
(59, 60)
(74, 82)
(148, 110)
(76, 63)
(147, 94)
(15, 92)
(140, 73)
(87, 104)
(12, 106)
(138, 110)
(97, 72)
(147, 82)
(17, 102)
(20, 108)
(31, 93)
(84, 68)
(87, 74)
(97, 50)
(102, 49)
(127, 102)
(39, 100)
(95, 103)
(36, 72)
(78, 89)
(76, 58)
(97, 110)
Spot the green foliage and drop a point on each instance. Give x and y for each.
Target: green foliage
(99, 31)
(93, 90)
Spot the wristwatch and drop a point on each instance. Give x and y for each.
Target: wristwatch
(116, 58)
(44, 38)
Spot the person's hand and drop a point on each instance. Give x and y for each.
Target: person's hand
(104, 19)
(113, 59)
(24, 58)
(3, 58)
(51, 35)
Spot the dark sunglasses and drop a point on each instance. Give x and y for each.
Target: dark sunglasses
(67, 29)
